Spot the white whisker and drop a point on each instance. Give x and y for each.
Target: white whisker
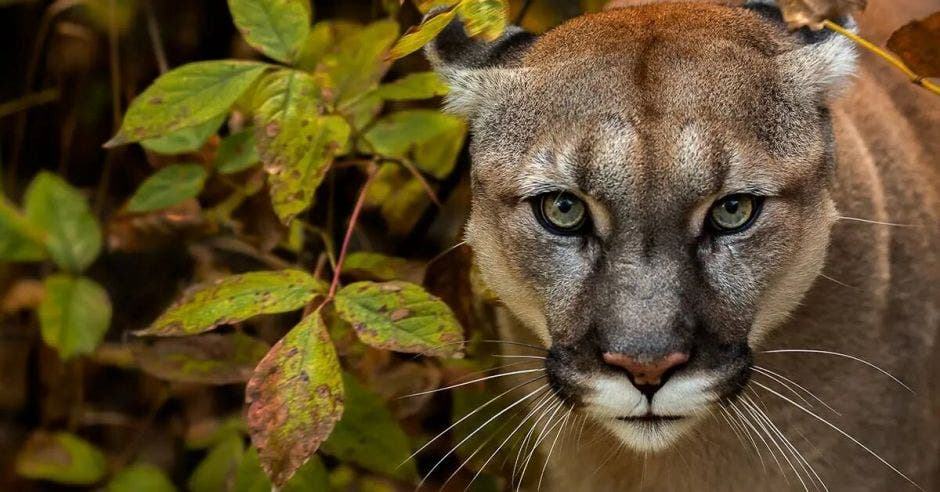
(783, 380)
(838, 354)
(548, 412)
(518, 356)
(804, 464)
(876, 222)
(552, 448)
(755, 414)
(543, 434)
(843, 284)
(487, 378)
(741, 418)
(840, 431)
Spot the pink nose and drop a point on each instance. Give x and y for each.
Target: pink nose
(646, 372)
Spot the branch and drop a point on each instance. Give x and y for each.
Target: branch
(916, 79)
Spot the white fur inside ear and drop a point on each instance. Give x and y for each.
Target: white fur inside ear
(470, 89)
(823, 68)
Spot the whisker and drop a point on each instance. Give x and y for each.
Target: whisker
(839, 354)
(552, 448)
(484, 371)
(729, 417)
(876, 222)
(501, 356)
(478, 429)
(548, 412)
(518, 344)
(840, 431)
(839, 282)
(465, 417)
(487, 378)
(543, 434)
(535, 409)
(781, 379)
(754, 412)
(804, 464)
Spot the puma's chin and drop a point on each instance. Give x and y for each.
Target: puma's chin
(650, 434)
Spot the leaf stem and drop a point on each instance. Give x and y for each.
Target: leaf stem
(373, 168)
(900, 65)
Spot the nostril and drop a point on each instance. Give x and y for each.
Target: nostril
(650, 373)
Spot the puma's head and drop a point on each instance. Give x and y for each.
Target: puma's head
(650, 195)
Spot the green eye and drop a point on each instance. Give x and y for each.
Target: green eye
(561, 213)
(733, 213)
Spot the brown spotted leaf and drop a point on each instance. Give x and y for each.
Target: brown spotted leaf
(294, 398)
(203, 359)
(918, 44)
(802, 13)
(190, 95)
(400, 316)
(236, 298)
(296, 144)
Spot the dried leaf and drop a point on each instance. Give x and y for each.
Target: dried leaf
(294, 398)
(918, 44)
(803, 13)
(400, 316)
(236, 298)
(204, 359)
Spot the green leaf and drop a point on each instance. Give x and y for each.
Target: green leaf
(237, 152)
(140, 478)
(185, 140)
(294, 398)
(312, 476)
(400, 196)
(186, 96)
(203, 359)
(376, 266)
(418, 36)
(369, 435)
(19, 240)
(167, 187)
(73, 236)
(400, 316)
(218, 469)
(420, 85)
(484, 18)
(434, 139)
(276, 28)
(296, 145)
(236, 298)
(74, 314)
(359, 63)
(319, 41)
(62, 458)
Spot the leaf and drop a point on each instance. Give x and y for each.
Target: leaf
(294, 398)
(74, 315)
(400, 316)
(237, 152)
(73, 236)
(296, 145)
(416, 37)
(19, 240)
(185, 140)
(376, 266)
(318, 42)
(434, 138)
(140, 478)
(167, 187)
(312, 476)
(400, 196)
(802, 13)
(185, 97)
(216, 472)
(918, 44)
(421, 85)
(484, 18)
(236, 298)
(276, 28)
(369, 435)
(62, 458)
(204, 359)
(360, 60)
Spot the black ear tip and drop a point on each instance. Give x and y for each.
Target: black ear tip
(452, 43)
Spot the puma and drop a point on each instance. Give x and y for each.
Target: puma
(721, 233)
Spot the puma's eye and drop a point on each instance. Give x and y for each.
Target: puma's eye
(561, 213)
(733, 213)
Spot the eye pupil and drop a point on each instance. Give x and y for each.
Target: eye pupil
(564, 205)
(731, 206)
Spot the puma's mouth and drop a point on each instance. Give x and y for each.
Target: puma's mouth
(650, 418)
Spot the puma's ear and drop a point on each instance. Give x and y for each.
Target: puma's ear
(475, 69)
(823, 62)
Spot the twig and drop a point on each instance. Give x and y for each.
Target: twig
(522, 12)
(349, 230)
(916, 79)
(417, 174)
(155, 38)
(28, 101)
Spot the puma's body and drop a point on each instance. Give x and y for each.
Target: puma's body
(876, 296)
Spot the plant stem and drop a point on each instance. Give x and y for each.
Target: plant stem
(916, 79)
(373, 168)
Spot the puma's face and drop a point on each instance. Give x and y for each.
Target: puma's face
(650, 196)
